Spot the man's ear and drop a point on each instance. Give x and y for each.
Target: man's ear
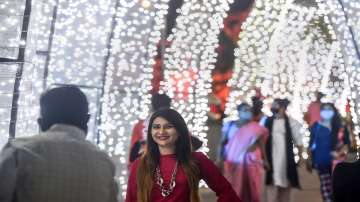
(44, 124)
(41, 123)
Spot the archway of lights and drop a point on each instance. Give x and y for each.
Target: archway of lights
(107, 48)
(292, 49)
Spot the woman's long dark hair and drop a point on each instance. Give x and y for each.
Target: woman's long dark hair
(183, 152)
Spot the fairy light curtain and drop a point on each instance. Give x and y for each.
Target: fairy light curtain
(344, 15)
(107, 48)
(137, 30)
(18, 75)
(294, 48)
(10, 31)
(190, 59)
(76, 52)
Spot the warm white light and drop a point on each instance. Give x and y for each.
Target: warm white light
(190, 58)
(290, 57)
(146, 4)
(128, 76)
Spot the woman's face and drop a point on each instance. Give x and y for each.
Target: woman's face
(327, 112)
(245, 113)
(163, 132)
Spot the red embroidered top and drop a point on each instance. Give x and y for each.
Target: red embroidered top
(181, 193)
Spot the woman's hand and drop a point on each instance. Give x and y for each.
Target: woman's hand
(340, 154)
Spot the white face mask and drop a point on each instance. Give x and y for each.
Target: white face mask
(327, 114)
(245, 115)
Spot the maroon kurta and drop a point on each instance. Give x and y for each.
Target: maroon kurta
(208, 171)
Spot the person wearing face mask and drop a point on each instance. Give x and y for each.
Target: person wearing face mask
(284, 134)
(245, 157)
(327, 144)
(229, 129)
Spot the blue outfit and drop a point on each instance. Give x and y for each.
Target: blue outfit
(322, 142)
(321, 146)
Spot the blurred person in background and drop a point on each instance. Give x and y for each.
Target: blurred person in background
(328, 145)
(245, 157)
(228, 130)
(284, 134)
(257, 106)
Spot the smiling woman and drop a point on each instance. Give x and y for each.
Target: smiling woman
(165, 135)
(170, 170)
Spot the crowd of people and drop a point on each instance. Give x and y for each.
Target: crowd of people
(257, 152)
(257, 155)
(255, 148)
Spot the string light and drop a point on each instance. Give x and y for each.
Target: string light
(128, 76)
(189, 61)
(10, 34)
(7, 83)
(293, 68)
(257, 29)
(78, 48)
(79, 43)
(345, 17)
(274, 71)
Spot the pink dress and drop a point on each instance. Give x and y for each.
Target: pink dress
(242, 168)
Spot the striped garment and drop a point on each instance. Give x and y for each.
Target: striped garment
(326, 186)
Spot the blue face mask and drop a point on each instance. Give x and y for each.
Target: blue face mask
(245, 115)
(327, 114)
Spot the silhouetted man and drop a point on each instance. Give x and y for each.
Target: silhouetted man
(58, 165)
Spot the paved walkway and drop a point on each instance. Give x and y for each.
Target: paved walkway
(310, 189)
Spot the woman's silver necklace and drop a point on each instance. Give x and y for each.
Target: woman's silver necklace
(160, 181)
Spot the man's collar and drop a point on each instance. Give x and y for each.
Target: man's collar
(71, 130)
